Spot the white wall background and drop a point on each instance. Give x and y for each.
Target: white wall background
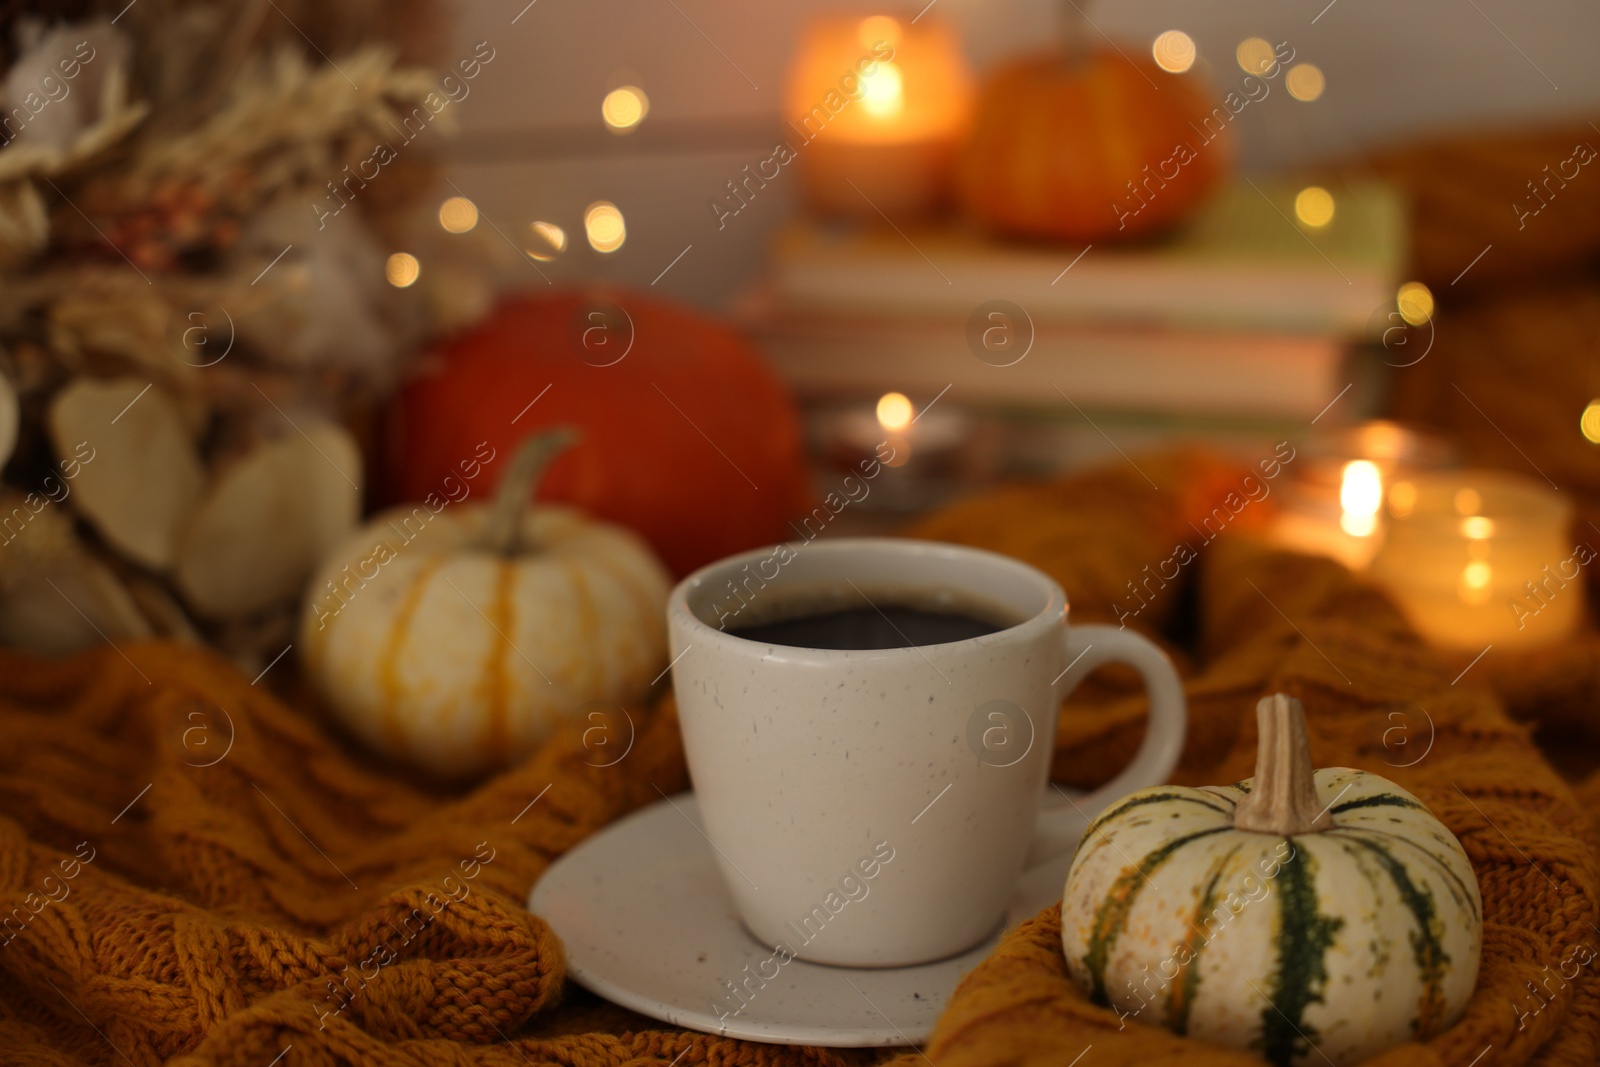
(533, 145)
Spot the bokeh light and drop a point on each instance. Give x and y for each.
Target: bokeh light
(1415, 302)
(1313, 206)
(894, 412)
(1255, 55)
(550, 241)
(458, 214)
(603, 225)
(402, 269)
(624, 108)
(1173, 51)
(1589, 423)
(1468, 501)
(1304, 82)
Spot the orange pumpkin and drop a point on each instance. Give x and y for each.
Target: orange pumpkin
(685, 434)
(1094, 147)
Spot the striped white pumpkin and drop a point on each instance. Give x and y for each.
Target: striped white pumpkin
(1317, 947)
(457, 658)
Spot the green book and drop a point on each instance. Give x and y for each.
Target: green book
(1244, 263)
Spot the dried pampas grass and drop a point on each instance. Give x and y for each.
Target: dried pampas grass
(174, 303)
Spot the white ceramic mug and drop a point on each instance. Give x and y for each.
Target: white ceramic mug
(875, 808)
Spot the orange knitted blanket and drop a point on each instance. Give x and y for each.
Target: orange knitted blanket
(194, 871)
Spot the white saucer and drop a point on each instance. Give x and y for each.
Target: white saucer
(649, 925)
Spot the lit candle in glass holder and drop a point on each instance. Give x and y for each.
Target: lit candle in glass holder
(1332, 504)
(894, 416)
(878, 107)
(917, 456)
(899, 435)
(1476, 558)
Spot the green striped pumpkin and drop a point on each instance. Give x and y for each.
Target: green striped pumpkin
(1328, 943)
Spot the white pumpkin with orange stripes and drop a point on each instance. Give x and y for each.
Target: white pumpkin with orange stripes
(1313, 917)
(456, 639)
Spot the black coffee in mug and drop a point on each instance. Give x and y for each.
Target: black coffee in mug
(852, 619)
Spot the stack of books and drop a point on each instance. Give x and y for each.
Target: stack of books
(1247, 316)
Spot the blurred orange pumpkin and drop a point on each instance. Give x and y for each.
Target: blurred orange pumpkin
(1092, 147)
(685, 434)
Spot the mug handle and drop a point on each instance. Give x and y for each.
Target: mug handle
(1060, 827)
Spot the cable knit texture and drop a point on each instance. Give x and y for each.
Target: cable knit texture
(194, 871)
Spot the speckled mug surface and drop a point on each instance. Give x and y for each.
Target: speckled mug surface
(874, 808)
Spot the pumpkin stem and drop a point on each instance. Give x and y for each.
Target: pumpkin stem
(503, 528)
(1283, 799)
(1075, 46)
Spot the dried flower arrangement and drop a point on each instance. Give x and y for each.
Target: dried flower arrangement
(184, 337)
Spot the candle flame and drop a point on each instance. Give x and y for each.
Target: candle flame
(885, 95)
(894, 412)
(1475, 579)
(1360, 494)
